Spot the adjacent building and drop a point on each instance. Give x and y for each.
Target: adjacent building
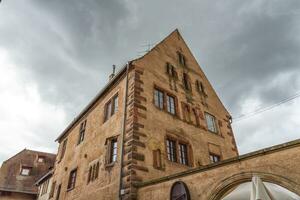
(19, 173)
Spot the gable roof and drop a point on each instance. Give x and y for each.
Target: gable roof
(119, 76)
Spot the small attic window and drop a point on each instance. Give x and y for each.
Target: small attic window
(181, 59)
(41, 159)
(25, 171)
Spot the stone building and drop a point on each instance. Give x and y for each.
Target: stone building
(158, 130)
(19, 173)
(158, 116)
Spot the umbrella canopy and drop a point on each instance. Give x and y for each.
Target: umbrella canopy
(259, 190)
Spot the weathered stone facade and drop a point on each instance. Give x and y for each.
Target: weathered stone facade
(278, 165)
(141, 128)
(18, 184)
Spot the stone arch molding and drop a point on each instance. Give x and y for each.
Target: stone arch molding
(228, 183)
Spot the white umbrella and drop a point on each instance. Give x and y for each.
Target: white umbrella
(259, 190)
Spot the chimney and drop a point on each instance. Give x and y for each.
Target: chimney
(113, 74)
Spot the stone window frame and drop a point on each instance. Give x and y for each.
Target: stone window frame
(63, 149)
(157, 159)
(108, 156)
(82, 130)
(181, 59)
(39, 157)
(186, 82)
(200, 87)
(24, 167)
(111, 107)
(165, 94)
(217, 132)
(171, 71)
(93, 172)
(214, 155)
(72, 179)
(179, 141)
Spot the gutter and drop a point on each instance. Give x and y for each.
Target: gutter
(121, 192)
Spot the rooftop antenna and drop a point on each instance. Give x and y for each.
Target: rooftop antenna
(111, 76)
(148, 48)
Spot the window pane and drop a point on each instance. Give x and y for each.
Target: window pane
(108, 110)
(159, 99)
(116, 105)
(211, 123)
(113, 151)
(171, 104)
(171, 150)
(183, 157)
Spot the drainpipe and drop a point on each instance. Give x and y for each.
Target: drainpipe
(123, 131)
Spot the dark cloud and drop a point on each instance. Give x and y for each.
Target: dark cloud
(248, 49)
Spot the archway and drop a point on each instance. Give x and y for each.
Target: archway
(227, 184)
(179, 191)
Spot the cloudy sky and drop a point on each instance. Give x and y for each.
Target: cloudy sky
(56, 55)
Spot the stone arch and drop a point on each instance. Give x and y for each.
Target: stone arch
(228, 183)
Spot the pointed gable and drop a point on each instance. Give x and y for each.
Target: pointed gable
(169, 51)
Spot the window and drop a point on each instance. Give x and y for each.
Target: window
(186, 82)
(214, 158)
(81, 132)
(178, 151)
(63, 149)
(186, 112)
(52, 189)
(159, 98)
(211, 123)
(183, 155)
(93, 172)
(171, 105)
(113, 150)
(111, 107)
(25, 171)
(171, 71)
(58, 192)
(171, 150)
(115, 104)
(41, 159)
(200, 87)
(179, 191)
(72, 179)
(157, 162)
(181, 59)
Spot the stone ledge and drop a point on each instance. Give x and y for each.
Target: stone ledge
(269, 150)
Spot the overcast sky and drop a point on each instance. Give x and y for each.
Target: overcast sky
(56, 55)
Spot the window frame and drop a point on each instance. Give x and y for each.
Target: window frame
(111, 158)
(181, 59)
(111, 107)
(164, 98)
(82, 129)
(178, 141)
(63, 149)
(169, 106)
(159, 98)
(215, 124)
(214, 155)
(72, 179)
(26, 168)
(187, 82)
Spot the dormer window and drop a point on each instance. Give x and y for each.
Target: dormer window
(25, 171)
(181, 59)
(41, 159)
